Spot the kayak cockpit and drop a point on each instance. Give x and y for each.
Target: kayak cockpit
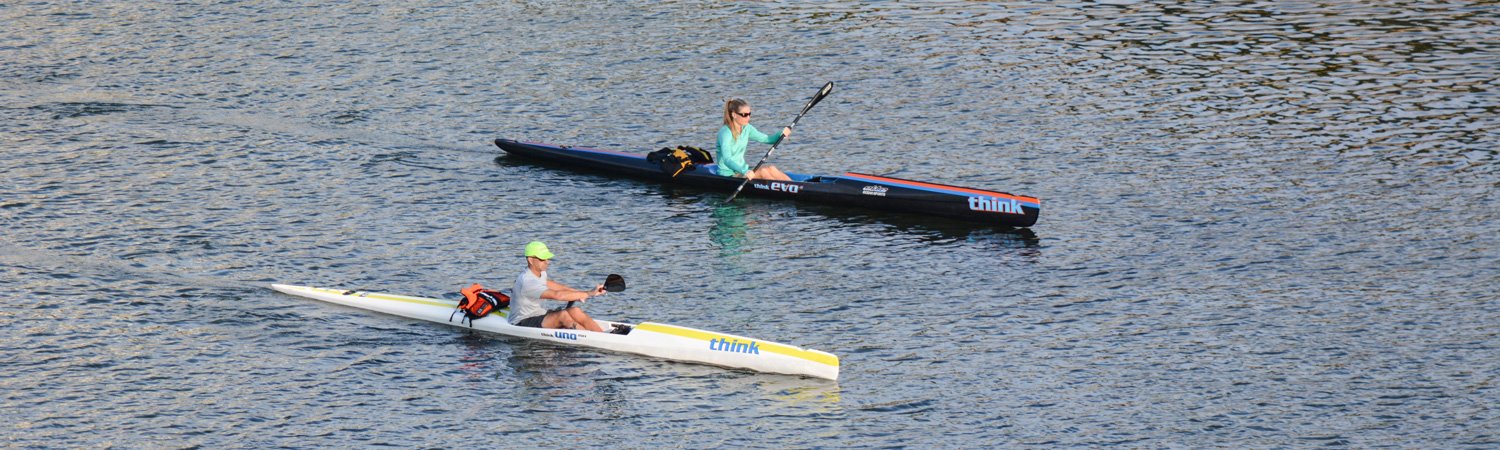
(800, 178)
(713, 169)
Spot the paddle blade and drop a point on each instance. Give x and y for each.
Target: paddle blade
(827, 88)
(614, 283)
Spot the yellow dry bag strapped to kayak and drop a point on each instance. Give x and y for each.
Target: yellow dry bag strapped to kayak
(675, 160)
(479, 302)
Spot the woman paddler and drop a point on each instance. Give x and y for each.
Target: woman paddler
(735, 135)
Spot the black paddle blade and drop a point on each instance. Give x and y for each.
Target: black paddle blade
(827, 88)
(614, 283)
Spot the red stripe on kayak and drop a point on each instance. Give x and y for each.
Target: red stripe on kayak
(1020, 198)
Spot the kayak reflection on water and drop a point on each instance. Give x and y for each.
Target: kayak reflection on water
(730, 232)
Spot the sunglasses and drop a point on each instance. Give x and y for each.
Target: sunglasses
(744, 114)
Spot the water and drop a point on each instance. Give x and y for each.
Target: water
(1263, 224)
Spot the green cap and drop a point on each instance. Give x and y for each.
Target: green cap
(538, 249)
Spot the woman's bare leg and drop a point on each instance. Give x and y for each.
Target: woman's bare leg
(772, 173)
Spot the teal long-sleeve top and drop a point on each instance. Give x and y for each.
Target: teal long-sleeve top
(731, 154)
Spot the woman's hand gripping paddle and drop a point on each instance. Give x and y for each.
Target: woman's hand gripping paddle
(827, 88)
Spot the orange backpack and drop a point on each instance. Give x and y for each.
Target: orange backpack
(479, 302)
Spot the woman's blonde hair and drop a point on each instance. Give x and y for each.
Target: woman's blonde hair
(730, 107)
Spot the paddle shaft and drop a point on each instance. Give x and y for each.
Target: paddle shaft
(827, 88)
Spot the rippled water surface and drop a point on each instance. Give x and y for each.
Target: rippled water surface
(1264, 224)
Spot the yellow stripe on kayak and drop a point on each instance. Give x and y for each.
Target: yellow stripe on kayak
(402, 298)
(810, 355)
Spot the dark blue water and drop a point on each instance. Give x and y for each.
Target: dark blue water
(1263, 225)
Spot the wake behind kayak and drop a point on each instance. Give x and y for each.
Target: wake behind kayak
(849, 189)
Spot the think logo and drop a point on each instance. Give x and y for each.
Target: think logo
(995, 204)
(725, 345)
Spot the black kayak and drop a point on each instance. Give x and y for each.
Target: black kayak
(849, 189)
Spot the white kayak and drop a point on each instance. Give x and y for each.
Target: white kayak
(648, 338)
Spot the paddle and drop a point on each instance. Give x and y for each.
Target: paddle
(612, 283)
(816, 98)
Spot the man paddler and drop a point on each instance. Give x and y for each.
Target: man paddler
(533, 286)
